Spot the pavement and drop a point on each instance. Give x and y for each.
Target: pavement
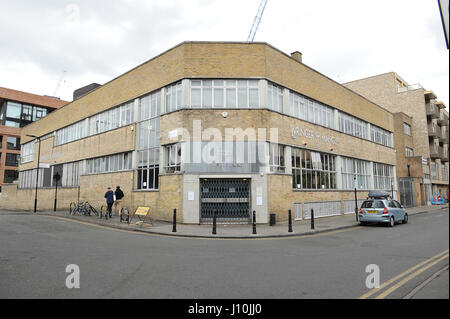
(230, 231)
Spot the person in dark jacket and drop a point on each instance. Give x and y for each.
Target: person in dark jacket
(118, 202)
(109, 195)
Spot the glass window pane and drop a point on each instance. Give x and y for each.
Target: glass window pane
(231, 98)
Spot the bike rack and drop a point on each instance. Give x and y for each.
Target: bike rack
(70, 207)
(101, 213)
(125, 212)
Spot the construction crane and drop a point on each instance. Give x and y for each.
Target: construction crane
(60, 80)
(257, 20)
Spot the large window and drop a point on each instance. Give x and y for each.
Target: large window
(380, 136)
(148, 169)
(173, 158)
(71, 133)
(10, 176)
(148, 138)
(13, 143)
(27, 113)
(383, 176)
(12, 159)
(275, 97)
(224, 93)
(406, 129)
(351, 125)
(111, 119)
(38, 113)
(150, 106)
(433, 170)
(276, 160)
(444, 172)
(19, 115)
(313, 170)
(173, 97)
(359, 169)
(409, 152)
(311, 111)
(69, 172)
(27, 152)
(13, 110)
(111, 163)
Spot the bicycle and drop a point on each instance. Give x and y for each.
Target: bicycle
(83, 208)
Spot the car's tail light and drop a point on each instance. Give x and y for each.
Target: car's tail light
(360, 211)
(385, 211)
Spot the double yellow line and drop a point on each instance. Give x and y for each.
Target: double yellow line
(421, 267)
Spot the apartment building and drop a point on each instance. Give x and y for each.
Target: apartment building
(428, 128)
(18, 109)
(213, 127)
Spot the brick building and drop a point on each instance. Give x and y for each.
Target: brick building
(423, 122)
(18, 109)
(213, 126)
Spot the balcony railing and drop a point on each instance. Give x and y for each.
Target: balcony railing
(432, 111)
(409, 88)
(435, 151)
(443, 120)
(444, 157)
(444, 135)
(433, 130)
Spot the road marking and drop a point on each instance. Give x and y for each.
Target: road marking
(325, 233)
(404, 281)
(426, 282)
(375, 290)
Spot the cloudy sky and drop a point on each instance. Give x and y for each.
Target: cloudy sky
(75, 43)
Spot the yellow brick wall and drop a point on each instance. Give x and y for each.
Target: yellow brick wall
(347, 145)
(111, 142)
(236, 60)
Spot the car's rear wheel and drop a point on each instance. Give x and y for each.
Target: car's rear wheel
(405, 219)
(391, 222)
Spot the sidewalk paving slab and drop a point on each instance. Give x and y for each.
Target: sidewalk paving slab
(230, 231)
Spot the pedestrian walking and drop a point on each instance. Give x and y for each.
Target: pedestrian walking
(109, 195)
(118, 200)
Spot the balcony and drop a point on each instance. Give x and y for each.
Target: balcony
(433, 130)
(432, 111)
(409, 88)
(444, 135)
(443, 120)
(435, 151)
(444, 157)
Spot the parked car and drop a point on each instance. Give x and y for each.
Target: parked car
(380, 208)
(438, 200)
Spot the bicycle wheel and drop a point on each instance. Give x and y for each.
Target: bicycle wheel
(93, 210)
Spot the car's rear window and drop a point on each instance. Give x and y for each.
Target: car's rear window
(373, 204)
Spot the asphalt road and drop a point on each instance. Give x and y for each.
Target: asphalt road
(35, 251)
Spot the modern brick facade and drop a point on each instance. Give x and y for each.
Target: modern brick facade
(429, 127)
(18, 109)
(149, 118)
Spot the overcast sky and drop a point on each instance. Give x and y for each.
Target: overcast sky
(95, 41)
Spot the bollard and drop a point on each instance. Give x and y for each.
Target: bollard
(174, 228)
(312, 218)
(290, 222)
(214, 223)
(254, 223)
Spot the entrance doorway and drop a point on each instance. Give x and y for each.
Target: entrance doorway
(406, 186)
(228, 197)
